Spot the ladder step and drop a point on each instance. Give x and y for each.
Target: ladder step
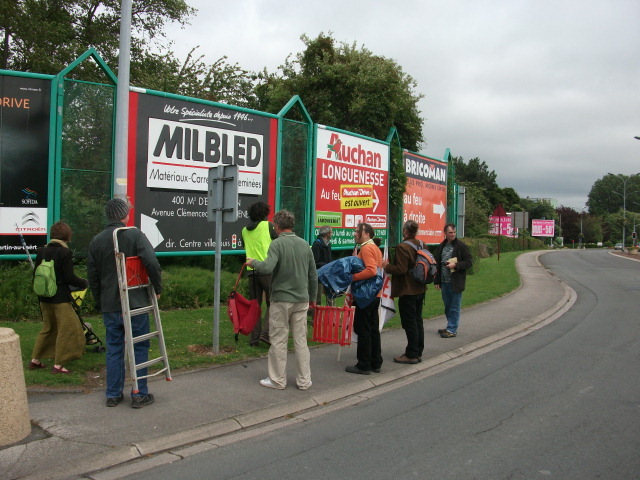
(140, 311)
(157, 373)
(137, 287)
(148, 363)
(146, 336)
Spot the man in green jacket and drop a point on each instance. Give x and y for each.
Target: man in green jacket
(294, 284)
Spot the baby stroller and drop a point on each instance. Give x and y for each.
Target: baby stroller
(91, 339)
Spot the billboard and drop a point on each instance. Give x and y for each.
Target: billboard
(543, 228)
(502, 226)
(24, 162)
(351, 184)
(425, 197)
(172, 144)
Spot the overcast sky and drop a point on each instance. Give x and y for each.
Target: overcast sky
(546, 92)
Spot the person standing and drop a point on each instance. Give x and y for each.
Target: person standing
(321, 249)
(61, 336)
(366, 322)
(103, 280)
(294, 286)
(257, 237)
(410, 293)
(453, 259)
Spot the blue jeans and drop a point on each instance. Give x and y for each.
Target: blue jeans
(113, 322)
(452, 302)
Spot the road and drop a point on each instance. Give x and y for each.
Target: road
(562, 402)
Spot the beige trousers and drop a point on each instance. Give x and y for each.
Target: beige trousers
(282, 317)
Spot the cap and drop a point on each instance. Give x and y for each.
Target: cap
(116, 209)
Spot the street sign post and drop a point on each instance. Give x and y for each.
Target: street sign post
(222, 206)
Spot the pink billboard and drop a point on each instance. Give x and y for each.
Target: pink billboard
(543, 228)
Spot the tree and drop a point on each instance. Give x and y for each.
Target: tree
(477, 211)
(347, 87)
(606, 194)
(44, 36)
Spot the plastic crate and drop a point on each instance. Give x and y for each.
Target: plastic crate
(333, 325)
(136, 273)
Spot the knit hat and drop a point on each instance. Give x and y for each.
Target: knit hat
(116, 209)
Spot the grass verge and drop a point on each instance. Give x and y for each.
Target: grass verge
(189, 338)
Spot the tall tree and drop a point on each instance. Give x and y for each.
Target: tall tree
(44, 36)
(348, 87)
(607, 194)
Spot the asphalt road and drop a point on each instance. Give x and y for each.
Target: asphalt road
(562, 402)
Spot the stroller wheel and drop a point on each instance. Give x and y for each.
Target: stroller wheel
(99, 349)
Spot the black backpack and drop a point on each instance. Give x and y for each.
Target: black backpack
(425, 269)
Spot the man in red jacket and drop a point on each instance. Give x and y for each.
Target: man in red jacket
(365, 322)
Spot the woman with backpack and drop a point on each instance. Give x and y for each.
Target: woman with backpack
(61, 336)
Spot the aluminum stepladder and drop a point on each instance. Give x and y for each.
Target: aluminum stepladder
(132, 275)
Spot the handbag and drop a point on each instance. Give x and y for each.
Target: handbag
(243, 313)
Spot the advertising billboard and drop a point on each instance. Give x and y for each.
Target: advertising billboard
(24, 160)
(172, 144)
(502, 226)
(425, 197)
(543, 228)
(351, 184)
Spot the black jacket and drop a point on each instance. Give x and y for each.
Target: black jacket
(321, 252)
(101, 267)
(465, 261)
(63, 266)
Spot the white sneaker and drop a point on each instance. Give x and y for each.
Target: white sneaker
(266, 382)
(306, 387)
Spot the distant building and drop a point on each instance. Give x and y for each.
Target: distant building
(551, 201)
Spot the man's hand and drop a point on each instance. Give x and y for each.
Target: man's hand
(249, 261)
(385, 263)
(312, 305)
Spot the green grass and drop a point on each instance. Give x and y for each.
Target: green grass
(189, 332)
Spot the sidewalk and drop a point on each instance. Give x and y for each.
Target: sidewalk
(75, 433)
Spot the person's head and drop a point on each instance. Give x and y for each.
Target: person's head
(450, 232)
(410, 229)
(363, 233)
(60, 231)
(117, 209)
(259, 211)
(284, 220)
(325, 232)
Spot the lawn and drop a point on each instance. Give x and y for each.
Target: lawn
(189, 337)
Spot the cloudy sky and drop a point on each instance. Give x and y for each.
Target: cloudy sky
(546, 92)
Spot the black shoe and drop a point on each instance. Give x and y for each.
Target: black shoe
(357, 370)
(142, 401)
(375, 370)
(441, 330)
(114, 401)
(447, 334)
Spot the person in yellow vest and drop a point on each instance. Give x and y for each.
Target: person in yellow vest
(257, 237)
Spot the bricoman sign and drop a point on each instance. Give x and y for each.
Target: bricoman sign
(180, 155)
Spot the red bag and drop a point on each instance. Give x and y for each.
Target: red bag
(243, 313)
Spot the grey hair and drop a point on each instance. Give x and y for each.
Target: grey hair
(284, 219)
(411, 226)
(324, 230)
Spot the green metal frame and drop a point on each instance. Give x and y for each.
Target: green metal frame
(296, 102)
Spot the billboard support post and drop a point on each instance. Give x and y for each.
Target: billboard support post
(222, 201)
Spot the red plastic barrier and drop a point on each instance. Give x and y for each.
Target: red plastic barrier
(333, 325)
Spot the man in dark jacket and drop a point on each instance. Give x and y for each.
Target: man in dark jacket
(410, 293)
(103, 280)
(321, 249)
(454, 259)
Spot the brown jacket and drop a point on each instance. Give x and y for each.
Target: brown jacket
(402, 283)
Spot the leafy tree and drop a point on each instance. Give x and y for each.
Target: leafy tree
(44, 36)
(606, 195)
(477, 211)
(348, 87)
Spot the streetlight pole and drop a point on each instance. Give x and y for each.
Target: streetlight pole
(581, 215)
(624, 203)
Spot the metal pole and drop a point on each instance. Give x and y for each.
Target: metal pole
(122, 103)
(218, 261)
